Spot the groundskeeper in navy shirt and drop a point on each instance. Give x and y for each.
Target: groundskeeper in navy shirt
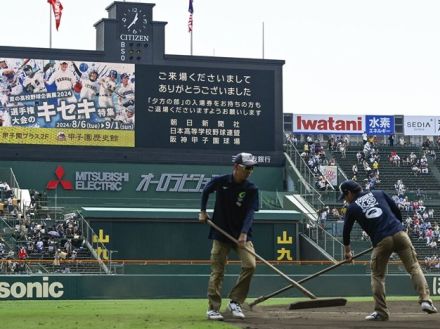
(234, 207)
(376, 213)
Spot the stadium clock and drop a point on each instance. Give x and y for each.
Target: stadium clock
(134, 21)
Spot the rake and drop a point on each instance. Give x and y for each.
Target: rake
(298, 305)
(313, 303)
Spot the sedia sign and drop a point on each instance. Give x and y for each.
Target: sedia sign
(44, 289)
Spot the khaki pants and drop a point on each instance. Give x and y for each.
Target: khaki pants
(219, 254)
(401, 244)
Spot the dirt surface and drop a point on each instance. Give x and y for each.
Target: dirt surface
(403, 315)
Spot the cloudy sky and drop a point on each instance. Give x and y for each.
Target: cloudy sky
(342, 56)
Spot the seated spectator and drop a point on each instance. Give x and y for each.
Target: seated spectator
(401, 141)
(342, 149)
(354, 169)
(412, 158)
(415, 170)
(322, 183)
(39, 246)
(22, 253)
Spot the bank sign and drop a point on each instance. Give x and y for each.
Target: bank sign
(114, 181)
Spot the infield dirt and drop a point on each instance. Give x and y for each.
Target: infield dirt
(405, 314)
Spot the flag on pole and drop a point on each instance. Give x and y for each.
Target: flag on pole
(57, 8)
(190, 20)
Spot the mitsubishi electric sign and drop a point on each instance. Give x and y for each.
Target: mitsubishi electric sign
(89, 180)
(117, 181)
(421, 126)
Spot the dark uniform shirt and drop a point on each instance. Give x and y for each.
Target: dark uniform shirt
(376, 213)
(234, 209)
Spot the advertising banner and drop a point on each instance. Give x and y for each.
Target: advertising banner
(379, 124)
(206, 108)
(330, 173)
(328, 124)
(63, 102)
(421, 125)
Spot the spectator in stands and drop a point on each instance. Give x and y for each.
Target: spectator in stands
(367, 149)
(322, 183)
(56, 258)
(367, 168)
(335, 214)
(323, 215)
(364, 138)
(354, 169)
(426, 145)
(412, 158)
(68, 246)
(359, 157)
(39, 246)
(342, 149)
(22, 253)
(375, 167)
(416, 169)
(395, 159)
(330, 141)
(391, 140)
(401, 141)
(295, 140)
(379, 216)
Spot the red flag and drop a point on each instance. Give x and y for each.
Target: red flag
(57, 8)
(190, 20)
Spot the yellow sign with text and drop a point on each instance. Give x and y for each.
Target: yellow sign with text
(57, 136)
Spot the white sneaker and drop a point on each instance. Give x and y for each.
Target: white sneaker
(214, 315)
(375, 316)
(428, 307)
(235, 308)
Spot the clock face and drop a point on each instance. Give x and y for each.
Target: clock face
(134, 21)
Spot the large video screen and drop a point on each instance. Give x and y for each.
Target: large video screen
(64, 102)
(205, 108)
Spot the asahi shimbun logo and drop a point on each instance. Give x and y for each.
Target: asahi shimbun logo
(43, 289)
(89, 180)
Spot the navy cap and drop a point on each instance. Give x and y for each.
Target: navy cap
(246, 159)
(348, 186)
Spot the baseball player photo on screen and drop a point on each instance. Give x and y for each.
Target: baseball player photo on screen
(69, 97)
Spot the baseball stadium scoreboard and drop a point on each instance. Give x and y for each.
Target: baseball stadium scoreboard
(129, 97)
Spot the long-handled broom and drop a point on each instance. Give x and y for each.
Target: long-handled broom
(266, 297)
(314, 303)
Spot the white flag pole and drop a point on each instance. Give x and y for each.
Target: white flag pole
(263, 40)
(50, 26)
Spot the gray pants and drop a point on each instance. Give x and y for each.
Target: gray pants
(401, 244)
(219, 253)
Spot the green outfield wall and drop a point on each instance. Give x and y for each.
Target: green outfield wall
(129, 185)
(176, 234)
(186, 284)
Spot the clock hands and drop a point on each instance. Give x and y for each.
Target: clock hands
(133, 22)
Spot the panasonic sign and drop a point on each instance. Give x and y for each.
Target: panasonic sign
(43, 289)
